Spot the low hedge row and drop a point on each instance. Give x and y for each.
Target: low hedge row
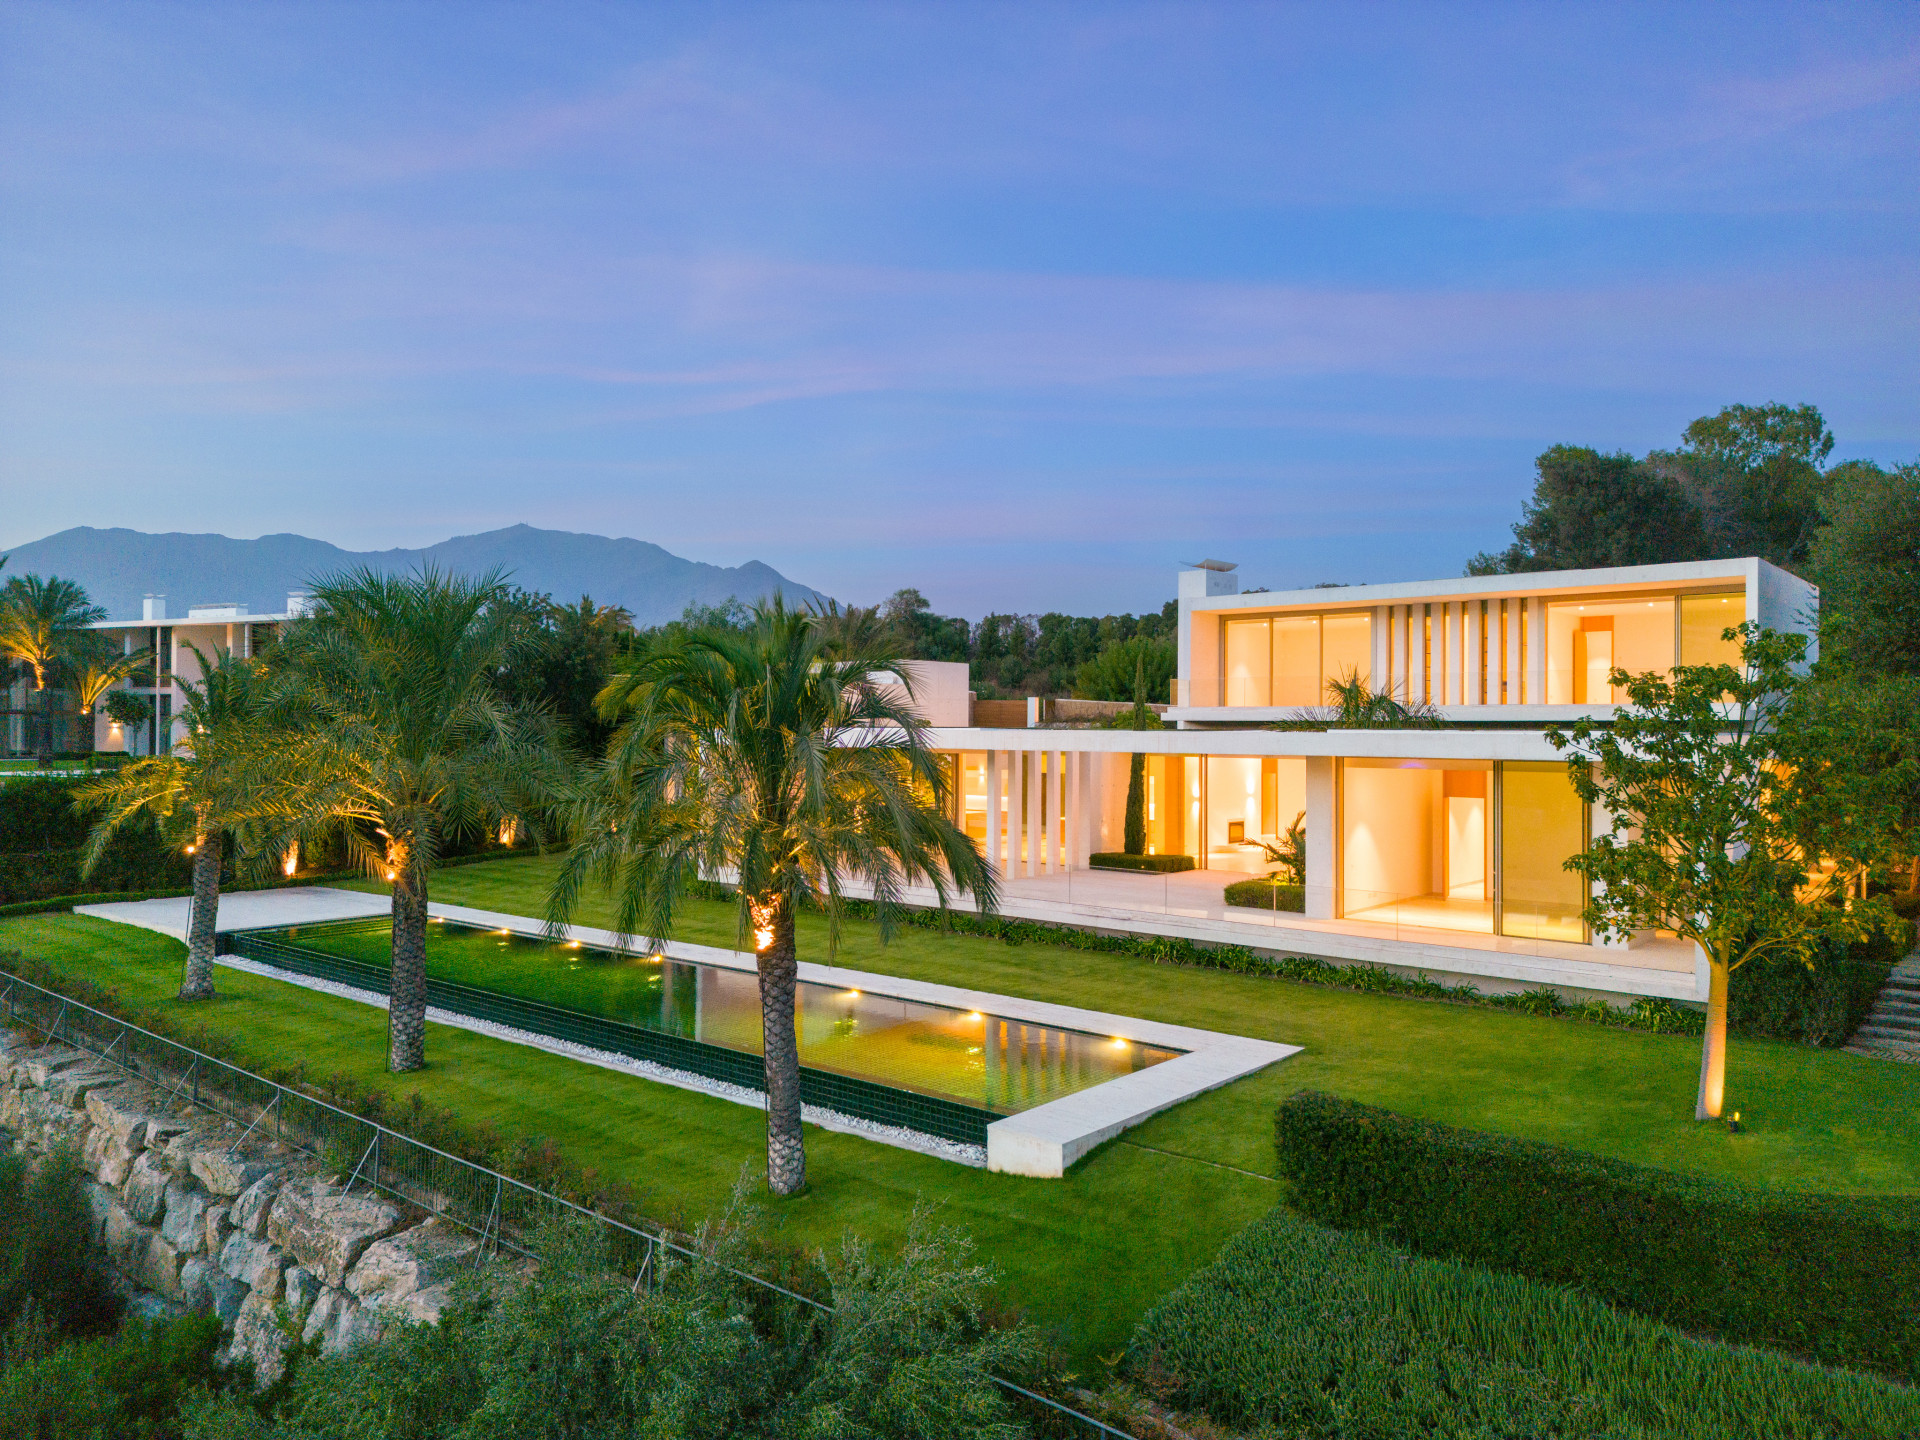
(1264, 894)
(1833, 1278)
(1658, 1016)
(1299, 1331)
(1153, 864)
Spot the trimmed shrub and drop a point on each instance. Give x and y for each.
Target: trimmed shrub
(1832, 1278)
(42, 837)
(1157, 864)
(1819, 1004)
(46, 1261)
(1315, 1333)
(1266, 893)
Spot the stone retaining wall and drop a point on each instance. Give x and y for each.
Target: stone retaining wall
(189, 1215)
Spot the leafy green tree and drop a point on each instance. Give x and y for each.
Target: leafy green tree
(1140, 717)
(202, 791)
(43, 624)
(1866, 560)
(1729, 822)
(562, 657)
(1754, 471)
(1111, 674)
(391, 734)
(1590, 510)
(776, 757)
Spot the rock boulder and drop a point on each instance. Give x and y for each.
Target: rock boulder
(326, 1229)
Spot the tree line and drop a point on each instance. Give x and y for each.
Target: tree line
(1749, 480)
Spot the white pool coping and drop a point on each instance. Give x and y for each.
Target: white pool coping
(1042, 1142)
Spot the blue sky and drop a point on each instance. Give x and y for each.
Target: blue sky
(1021, 304)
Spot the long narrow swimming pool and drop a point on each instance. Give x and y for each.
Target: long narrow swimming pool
(983, 1062)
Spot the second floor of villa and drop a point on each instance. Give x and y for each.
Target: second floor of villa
(1497, 649)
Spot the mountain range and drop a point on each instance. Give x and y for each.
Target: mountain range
(118, 567)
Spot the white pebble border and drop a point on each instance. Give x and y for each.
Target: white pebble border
(896, 1135)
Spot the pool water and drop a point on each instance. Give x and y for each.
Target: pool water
(991, 1061)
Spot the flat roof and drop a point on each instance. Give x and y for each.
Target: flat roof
(1745, 571)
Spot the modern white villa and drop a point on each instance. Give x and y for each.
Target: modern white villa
(1436, 850)
(1433, 850)
(219, 628)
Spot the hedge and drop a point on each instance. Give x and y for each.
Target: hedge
(1156, 864)
(1833, 1278)
(1299, 1331)
(1819, 1004)
(1264, 894)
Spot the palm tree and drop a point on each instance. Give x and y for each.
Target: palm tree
(201, 791)
(41, 623)
(1354, 705)
(392, 734)
(777, 756)
(95, 667)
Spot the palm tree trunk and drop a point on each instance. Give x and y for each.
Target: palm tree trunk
(45, 748)
(1713, 1046)
(779, 971)
(208, 851)
(407, 993)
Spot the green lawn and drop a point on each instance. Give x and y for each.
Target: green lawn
(1087, 1254)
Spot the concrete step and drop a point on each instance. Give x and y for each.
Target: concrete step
(1898, 1034)
(1908, 1054)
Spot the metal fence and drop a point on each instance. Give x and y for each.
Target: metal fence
(848, 1094)
(503, 1212)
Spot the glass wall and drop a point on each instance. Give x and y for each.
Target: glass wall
(1173, 805)
(1250, 799)
(1587, 639)
(1418, 847)
(1703, 619)
(1289, 659)
(1542, 824)
(1415, 843)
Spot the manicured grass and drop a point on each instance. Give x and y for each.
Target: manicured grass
(1815, 1119)
(1085, 1256)
(1090, 1253)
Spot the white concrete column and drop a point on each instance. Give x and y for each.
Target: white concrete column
(996, 776)
(1472, 672)
(1536, 651)
(1051, 796)
(1382, 618)
(1030, 811)
(1416, 654)
(1074, 853)
(1511, 671)
(1454, 688)
(1398, 680)
(1321, 838)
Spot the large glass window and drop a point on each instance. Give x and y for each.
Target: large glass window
(1173, 805)
(1296, 660)
(1415, 843)
(1249, 662)
(1703, 619)
(1588, 639)
(1542, 825)
(1346, 649)
(1289, 659)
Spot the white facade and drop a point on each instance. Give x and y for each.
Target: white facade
(1439, 850)
(212, 629)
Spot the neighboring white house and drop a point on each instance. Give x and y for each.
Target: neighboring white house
(220, 628)
(1440, 850)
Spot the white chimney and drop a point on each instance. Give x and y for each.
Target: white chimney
(1209, 577)
(299, 603)
(153, 607)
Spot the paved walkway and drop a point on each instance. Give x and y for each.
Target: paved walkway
(246, 909)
